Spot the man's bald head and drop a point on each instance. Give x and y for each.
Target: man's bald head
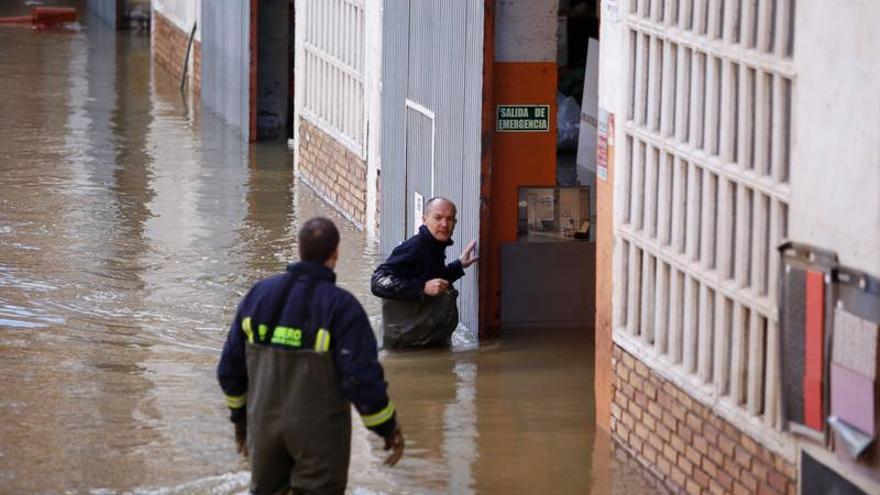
(439, 217)
(438, 200)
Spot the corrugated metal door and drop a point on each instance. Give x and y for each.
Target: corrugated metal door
(419, 163)
(432, 96)
(106, 11)
(226, 61)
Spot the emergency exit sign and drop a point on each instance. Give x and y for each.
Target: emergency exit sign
(523, 118)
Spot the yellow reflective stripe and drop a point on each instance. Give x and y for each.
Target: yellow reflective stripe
(380, 417)
(236, 402)
(322, 340)
(246, 326)
(287, 336)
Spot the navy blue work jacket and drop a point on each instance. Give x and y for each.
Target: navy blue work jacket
(273, 313)
(415, 261)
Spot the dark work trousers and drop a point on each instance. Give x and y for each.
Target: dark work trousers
(428, 322)
(299, 424)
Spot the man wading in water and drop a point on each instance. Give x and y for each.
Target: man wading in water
(300, 349)
(419, 306)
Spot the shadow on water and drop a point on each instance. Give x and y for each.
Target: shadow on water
(131, 223)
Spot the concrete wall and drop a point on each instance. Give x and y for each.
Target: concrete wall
(526, 31)
(541, 279)
(612, 71)
(835, 171)
(835, 176)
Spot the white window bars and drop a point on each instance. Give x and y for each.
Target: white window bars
(333, 68)
(702, 200)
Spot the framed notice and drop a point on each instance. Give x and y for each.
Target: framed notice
(612, 10)
(522, 118)
(419, 204)
(605, 145)
(547, 214)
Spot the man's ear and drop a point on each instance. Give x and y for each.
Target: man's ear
(331, 261)
(424, 218)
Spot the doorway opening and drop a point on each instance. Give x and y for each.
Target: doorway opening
(274, 78)
(577, 95)
(552, 261)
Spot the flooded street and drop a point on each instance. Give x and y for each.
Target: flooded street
(131, 223)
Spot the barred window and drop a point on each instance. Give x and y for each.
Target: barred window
(703, 198)
(333, 68)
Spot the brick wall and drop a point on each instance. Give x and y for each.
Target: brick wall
(334, 171)
(683, 443)
(169, 49)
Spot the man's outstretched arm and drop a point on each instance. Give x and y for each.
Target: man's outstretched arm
(233, 378)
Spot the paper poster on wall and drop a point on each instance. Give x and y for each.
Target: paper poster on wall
(605, 150)
(612, 10)
(419, 211)
(610, 139)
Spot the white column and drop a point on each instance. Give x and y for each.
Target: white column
(302, 13)
(373, 108)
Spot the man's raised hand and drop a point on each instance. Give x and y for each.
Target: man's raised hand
(469, 256)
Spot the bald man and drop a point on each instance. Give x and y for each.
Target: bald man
(419, 307)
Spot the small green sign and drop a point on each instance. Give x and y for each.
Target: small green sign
(523, 118)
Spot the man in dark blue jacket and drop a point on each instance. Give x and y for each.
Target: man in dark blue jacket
(299, 351)
(419, 307)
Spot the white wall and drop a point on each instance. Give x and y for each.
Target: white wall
(612, 98)
(525, 31)
(183, 13)
(373, 108)
(835, 171)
